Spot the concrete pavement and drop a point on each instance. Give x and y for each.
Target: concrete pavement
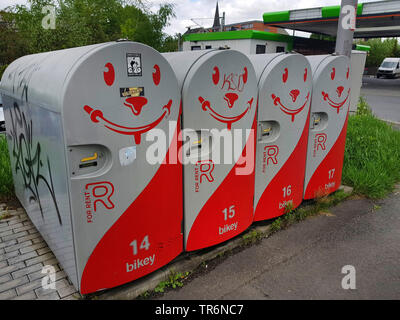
(306, 260)
(23, 255)
(302, 262)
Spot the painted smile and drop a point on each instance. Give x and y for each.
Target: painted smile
(97, 117)
(291, 112)
(333, 104)
(206, 105)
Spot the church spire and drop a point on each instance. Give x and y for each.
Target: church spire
(217, 23)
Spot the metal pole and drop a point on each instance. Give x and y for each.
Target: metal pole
(346, 27)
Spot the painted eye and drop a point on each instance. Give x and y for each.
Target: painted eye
(333, 73)
(156, 75)
(215, 76)
(109, 75)
(348, 73)
(285, 76)
(245, 75)
(305, 74)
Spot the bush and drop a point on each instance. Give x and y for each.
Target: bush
(6, 180)
(380, 49)
(2, 69)
(363, 108)
(372, 157)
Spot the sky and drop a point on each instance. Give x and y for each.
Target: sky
(236, 10)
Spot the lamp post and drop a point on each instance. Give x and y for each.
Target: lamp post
(346, 27)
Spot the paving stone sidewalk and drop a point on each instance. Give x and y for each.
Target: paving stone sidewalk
(23, 254)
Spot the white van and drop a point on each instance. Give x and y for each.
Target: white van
(390, 67)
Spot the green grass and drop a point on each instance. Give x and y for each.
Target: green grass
(174, 281)
(321, 205)
(372, 157)
(6, 180)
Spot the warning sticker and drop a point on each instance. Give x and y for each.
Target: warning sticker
(131, 92)
(134, 64)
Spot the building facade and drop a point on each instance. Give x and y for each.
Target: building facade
(246, 41)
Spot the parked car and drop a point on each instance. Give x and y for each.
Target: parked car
(2, 123)
(390, 68)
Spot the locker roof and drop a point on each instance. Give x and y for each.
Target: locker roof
(40, 78)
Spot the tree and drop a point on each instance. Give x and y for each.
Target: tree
(381, 49)
(140, 24)
(12, 43)
(79, 23)
(171, 43)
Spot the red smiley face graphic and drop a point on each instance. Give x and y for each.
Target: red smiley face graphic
(340, 90)
(293, 95)
(233, 84)
(135, 103)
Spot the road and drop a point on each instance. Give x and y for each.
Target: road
(383, 95)
(306, 260)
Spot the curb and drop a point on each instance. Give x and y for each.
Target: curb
(346, 189)
(394, 124)
(187, 262)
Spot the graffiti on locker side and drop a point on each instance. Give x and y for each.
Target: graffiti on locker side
(339, 91)
(134, 102)
(294, 94)
(22, 80)
(29, 160)
(232, 81)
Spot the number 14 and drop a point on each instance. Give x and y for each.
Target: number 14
(145, 245)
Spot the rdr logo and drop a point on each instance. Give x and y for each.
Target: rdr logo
(288, 102)
(341, 88)
(233, 85)
(134, 99)
(270, 156)
(203, 172)
(320, 143)
(95, 194)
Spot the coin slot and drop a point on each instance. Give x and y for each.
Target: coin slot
(319, 121)
(269, 131)
(200, 144)
(88, 165)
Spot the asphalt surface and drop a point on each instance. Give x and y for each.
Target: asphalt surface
(383, 95)
(306, 260)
